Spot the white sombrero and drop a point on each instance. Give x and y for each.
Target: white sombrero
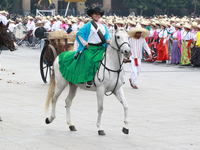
(188, 26)
(178, 25)
(162, 23)
(138, 28)
(119, 21)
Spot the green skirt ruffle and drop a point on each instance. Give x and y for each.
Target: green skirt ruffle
(82, 69)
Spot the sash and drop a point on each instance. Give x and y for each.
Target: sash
(103, 40)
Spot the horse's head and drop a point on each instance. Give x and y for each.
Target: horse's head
(6, 37)
(122, 39)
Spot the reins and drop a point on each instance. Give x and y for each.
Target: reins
(111, 70)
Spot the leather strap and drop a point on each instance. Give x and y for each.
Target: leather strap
(99, 32)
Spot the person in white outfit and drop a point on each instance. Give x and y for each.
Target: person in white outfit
(3, 17)
(137, 41)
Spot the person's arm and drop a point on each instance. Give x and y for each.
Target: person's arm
(147, 49)
(165, 37)
(83, 42)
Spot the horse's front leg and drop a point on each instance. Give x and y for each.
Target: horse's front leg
(100, 97)
(120, 96)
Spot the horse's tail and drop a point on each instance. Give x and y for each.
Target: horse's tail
(50, 91)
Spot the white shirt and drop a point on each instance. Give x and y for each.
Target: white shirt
(74, 27)
(172, 29)
(163, 34)
(47, 26)
(3, 19)
(11, 27)
(31, 26)
(136, 47)
(56, 26)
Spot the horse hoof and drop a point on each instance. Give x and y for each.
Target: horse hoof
(125, 131)
(47, 121)
(72, 128)
(101, 132)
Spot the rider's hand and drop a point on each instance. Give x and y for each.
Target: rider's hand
(87, 46)
(108, 41)
(150, 56)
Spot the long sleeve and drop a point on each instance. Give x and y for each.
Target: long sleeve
(146, 47)
(165, 37)
(83, 42)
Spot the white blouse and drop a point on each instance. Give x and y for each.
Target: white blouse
(187, 35)
(163, 34)
(93, 36)
(151, 33)
(175, 34)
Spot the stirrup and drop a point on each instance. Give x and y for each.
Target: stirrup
(89, 84)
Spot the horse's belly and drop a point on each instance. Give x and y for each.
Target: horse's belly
(83, 86)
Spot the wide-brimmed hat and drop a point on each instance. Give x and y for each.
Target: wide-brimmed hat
(132, 22)
(153, 23)
(73, 20)
(19, 19)
(4, 12)
(143, 22)
(198, 26)
(138, 28)
(97, 10)
(119, 21)
(110, 23)
(188, 26)
(162, 23)
(87, 20)
(177, 25)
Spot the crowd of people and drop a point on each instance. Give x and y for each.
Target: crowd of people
(169, 39)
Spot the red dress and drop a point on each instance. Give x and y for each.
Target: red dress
(163, 53)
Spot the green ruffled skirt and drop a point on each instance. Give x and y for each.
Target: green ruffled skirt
(82, 69)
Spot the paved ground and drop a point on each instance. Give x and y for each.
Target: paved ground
(164, 112)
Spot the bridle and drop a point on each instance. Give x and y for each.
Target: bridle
(6, 42)
(110, 70)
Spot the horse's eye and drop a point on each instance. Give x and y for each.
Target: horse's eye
(118, 37)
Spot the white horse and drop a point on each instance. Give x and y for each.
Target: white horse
(109, 78)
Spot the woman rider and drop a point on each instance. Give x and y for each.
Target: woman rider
(81, 66)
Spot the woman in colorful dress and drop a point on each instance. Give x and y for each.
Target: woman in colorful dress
(162, 48)
(176, 46)
(186, 45)
(81, 66)
(152, 43)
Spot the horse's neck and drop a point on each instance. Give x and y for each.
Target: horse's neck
(114, 58)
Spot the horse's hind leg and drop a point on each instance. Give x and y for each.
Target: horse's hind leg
(58, 91)
(100, 97)
(68, 101)
(120, 96)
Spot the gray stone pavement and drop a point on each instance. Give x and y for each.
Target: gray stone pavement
(164, 112)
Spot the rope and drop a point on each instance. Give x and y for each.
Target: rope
(110, 70)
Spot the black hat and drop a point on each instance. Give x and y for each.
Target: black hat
(96, 9)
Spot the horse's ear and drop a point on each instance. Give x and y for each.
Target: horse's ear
(115, 26)
(126, 27)
(7, 24)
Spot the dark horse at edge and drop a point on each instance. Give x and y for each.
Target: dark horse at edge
(6, 39)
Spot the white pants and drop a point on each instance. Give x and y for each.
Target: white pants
(135, 70)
